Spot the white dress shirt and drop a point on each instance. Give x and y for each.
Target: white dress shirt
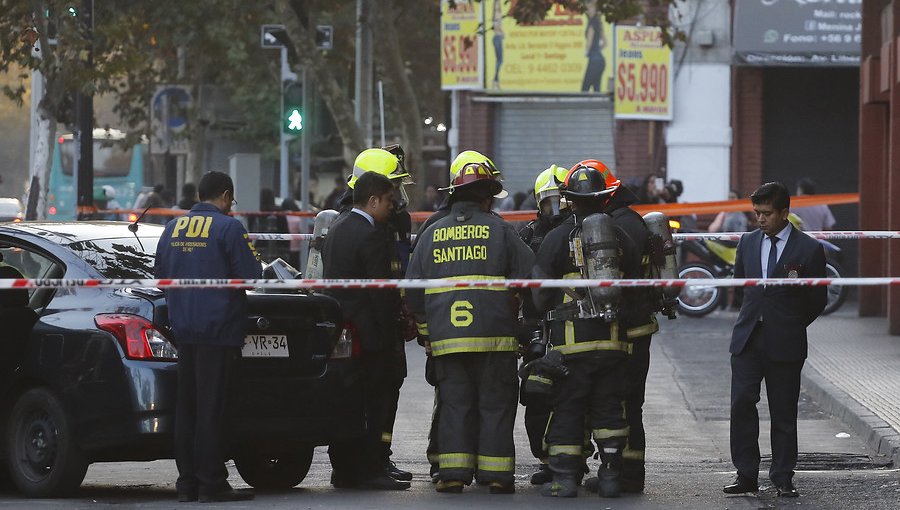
(371, 220)
(767, 245)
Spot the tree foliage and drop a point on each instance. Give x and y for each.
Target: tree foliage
(213, 45)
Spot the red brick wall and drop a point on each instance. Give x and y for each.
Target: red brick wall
(747, 129)
(476, 125)
(640, 149)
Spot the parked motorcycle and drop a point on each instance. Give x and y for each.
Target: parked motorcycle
(716, 260)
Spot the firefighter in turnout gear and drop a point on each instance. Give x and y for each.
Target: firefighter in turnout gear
(474, 346)
(552, 211)
(638, 317)
(395, 231)
(586, 329)
(464, 158)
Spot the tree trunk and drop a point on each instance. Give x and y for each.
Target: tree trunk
(39, 173)
(327, 85)
(390, 57)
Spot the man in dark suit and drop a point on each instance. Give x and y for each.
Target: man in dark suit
(769, 338)
(358, 246)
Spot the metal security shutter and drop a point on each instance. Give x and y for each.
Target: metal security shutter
(532, 135)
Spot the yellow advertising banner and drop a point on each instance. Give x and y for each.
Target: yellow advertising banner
(567, 52)
(461, 45)
(643, 74)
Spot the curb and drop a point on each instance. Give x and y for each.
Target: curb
(878, 434)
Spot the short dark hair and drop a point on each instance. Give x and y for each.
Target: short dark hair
(774, 193)
(370, 184)
(213, 184)
(807, 186)
(189, 190)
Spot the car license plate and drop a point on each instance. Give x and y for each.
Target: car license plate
(265, 346)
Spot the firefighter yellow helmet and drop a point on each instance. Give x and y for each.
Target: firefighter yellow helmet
(548, 181)
(466, 158)
(379, 161)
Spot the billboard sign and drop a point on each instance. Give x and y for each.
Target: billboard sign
(461, 45)
(798, 32)
(643, 74)
(567, 52)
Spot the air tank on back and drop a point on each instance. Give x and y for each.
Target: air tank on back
(601, 250)
(314, 266)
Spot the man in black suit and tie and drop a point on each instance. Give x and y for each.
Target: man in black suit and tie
(358, 246)
(769, 338)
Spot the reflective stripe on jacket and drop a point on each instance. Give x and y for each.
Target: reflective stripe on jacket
(577, 336)
(468, 244)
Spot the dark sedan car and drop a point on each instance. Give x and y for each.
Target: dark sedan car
(89, 375)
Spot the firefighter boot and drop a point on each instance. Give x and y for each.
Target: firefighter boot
(608, 474)
(564, 485)
(542, 476)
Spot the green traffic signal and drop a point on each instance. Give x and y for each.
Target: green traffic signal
(292, 107)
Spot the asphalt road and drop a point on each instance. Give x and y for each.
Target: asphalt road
(688, 461)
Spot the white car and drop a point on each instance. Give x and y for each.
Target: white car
(11, 209)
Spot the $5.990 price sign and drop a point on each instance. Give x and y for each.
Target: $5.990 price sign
(461, 66)
(643, 76)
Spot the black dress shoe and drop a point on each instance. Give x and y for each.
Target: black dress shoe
(741, 485)
(787, 490)
(382, 482)
(396, 473)
(224, 495)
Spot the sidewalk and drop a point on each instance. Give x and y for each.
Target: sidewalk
(853, 372)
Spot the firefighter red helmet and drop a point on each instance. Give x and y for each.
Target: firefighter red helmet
(474, 175)
(589, 179)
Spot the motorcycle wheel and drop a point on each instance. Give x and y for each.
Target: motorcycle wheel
(837, 294)
(696, 301)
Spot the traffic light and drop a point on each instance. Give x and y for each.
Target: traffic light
(292, 107)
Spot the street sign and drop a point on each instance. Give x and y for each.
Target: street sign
(269, 34)
(324, 37)
(169, 119)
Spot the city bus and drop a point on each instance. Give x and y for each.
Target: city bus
(115, 165)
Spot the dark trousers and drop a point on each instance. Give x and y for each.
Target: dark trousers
(477, 415)
(432, 451)
(637, 366)
(748, 369)
(205, 374)
(393, 383)
(537, 415)
(362, 458)
(594, 389)
(593, 74)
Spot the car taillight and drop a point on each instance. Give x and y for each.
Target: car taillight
(138, 337)
(347, 345)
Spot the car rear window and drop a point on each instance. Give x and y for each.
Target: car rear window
(119, 258)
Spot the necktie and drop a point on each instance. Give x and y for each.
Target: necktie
(773, 256)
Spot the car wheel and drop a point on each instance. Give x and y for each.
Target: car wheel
(266, 472)
(698, 301)
(44, 460)
(836, 293)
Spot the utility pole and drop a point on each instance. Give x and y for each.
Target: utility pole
(363, 108)
(286, 76)
(84, 110)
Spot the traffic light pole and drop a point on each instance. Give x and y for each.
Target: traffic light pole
(284, 175)
(84, 108)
